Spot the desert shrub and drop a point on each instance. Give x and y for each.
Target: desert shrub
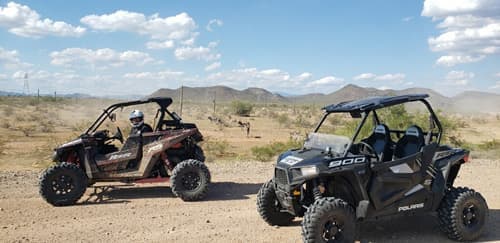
(6, 124)
(283, 120)
(267, 152)
(27, 129)
(241, 108)
(216, 147)
(8, 111)
(46, 126)
(490, 145)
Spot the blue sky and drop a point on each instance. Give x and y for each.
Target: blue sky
(136, 47)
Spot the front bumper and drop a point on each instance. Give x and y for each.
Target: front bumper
(284, 191)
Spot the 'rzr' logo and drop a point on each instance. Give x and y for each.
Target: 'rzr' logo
(348, 161)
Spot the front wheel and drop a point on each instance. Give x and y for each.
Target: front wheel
(462, 214)
(63, 184)
(269, 206)
(190, 180)
(329, 220)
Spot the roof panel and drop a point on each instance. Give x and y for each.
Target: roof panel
(373, 103)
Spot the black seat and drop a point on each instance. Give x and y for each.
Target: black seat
(380, 140)
(411, 143)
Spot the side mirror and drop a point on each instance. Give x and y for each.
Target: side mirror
(112, 117)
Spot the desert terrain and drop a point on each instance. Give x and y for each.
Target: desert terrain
(150, 212)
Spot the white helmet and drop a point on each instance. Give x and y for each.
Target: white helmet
(136, 118)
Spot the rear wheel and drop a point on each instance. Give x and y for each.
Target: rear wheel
(269, 206)
(462, 214)
(329, 220)
(63, 184)
(190, 180)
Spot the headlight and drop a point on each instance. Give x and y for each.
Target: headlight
(309, 171)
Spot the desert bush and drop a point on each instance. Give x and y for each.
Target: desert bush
(490, 145)
(267, 152)
(283, 120)
(6, 124)
(27, 129)
(218, 148)
(46, 126)
(8, 111)
(241, 108)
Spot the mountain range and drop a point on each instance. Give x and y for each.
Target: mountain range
(469, 101)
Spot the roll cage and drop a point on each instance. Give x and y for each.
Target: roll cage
(362, 108)
(163, 102)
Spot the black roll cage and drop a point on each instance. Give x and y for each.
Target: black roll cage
(365, 110)
(163, 102)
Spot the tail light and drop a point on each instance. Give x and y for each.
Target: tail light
(177, 145)
(466, 158)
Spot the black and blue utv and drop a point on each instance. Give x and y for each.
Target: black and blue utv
(335, 181)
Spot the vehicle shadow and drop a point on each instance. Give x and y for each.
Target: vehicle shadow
(222, 191)
(124, 193)
(218, 191)
(424, 228)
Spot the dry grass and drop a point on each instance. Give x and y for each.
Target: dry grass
(30, 130)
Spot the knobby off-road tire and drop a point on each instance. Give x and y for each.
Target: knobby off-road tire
(462, 214)
(63, 184)
(329, 220)
(190, 180)
(198, 153)
(269, 206)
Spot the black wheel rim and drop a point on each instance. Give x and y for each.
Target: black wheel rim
(333, 231)
(470, 216)
(62, 185)
(191, 181)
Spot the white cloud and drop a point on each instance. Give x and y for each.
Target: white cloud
(496, 85)
(163, 75)
(407, 19)
(458, 78)
(364, 76)
(23, 21)
(328, 80)
(214, 22)
(453, 60)
(198, 53)
(178, 27)
(392, 77)
(470, 29)
(497, 74)
(99, 58)
(303, 76)
(9, 59)
(212, 66)
(252, 77)
(160, 44)
(397, 77)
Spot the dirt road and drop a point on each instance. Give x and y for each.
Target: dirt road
(150, 213)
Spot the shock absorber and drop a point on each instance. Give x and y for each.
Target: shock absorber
(316, 192)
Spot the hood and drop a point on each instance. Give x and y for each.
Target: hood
(303, 157)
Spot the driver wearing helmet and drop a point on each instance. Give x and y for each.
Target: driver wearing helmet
(137, 121)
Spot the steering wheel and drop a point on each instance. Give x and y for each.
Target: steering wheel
(118, 135)
(368, 150)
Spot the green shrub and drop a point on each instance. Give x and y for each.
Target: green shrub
(490, 145)
(241, 108)
(217, 148)
(267, 152)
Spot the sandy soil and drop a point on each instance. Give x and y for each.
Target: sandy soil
(150, 213)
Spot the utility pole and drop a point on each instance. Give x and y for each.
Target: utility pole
(55, 96)
(182, 97)
(215, 95)
(38, 95)
(26, 88)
